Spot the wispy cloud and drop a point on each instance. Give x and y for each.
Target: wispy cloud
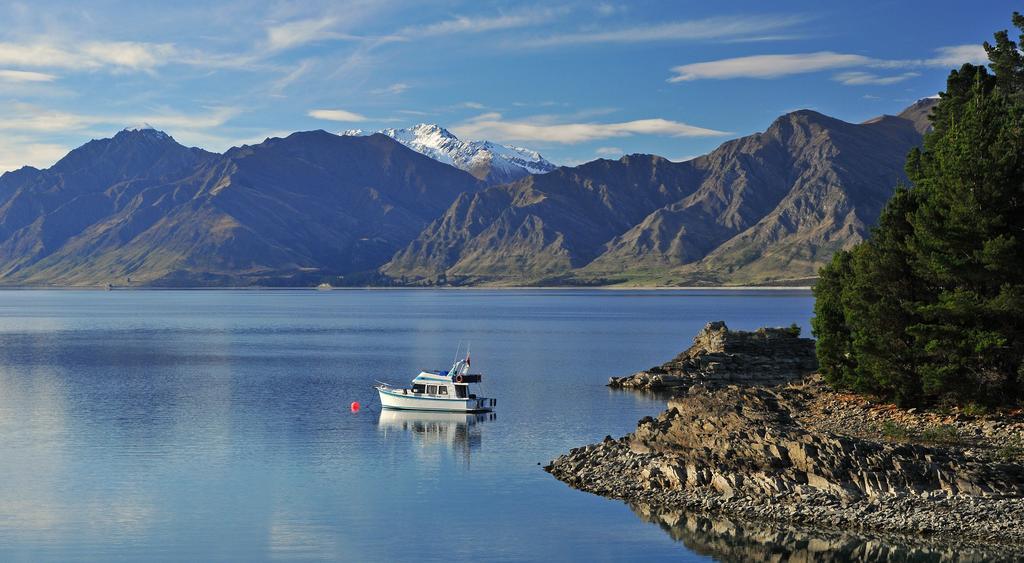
(859, 78)
(775, 66)
(27, 118)
(955, 55)
(302, 32)
(766, 66)
(605, 9)
(296, 72)
(212, 118)
(25, 76)
(337, 115)
(91, 55)
(480, 24)
(494, 126)
(394, 89)
(727, 28)
(128, 55)
(608, 151)
(16, 152)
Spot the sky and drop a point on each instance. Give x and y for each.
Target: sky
(575, 80)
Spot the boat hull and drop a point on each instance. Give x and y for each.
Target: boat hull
(396, 399)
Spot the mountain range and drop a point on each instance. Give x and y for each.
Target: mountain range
(140, 209)
(487, 161)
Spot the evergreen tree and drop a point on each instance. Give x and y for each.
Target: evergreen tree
(931, 307)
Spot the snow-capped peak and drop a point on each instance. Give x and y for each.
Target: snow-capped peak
(147, 130)
(484, 159)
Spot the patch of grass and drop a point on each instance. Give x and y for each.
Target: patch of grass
(944, 434)
(975, 409)
(894, 431)
(1011, 452)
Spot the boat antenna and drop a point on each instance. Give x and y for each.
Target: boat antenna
(457, 348)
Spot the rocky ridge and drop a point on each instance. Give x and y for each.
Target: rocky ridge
(720, 356)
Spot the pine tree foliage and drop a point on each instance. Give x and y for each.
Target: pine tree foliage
(931, 307)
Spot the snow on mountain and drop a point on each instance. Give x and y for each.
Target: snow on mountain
(487, 161)
(148, 130)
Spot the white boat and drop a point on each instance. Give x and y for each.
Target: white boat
(447, 391)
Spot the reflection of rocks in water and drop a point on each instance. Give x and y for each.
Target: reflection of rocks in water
(734, 540)
(458, 431)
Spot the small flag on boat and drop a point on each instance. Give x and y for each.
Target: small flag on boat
(467, 360)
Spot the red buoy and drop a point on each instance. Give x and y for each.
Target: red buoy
(355, 406)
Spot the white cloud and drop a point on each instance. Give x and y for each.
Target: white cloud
(685, 157)
(766, 66)
(606, 9)
(122, 55)
(17, 152)
(301, 32)
(336, 115)
(25, 76)
(775, 66)
(493, 126)
(26, 118)
(956, 55)
(394, 89)
(214, 117)
(859, 78)
(127, 54)
(37, 56)
(288, 79)
(731, 28)
(609, 151)
(27, 130)
(467, 24)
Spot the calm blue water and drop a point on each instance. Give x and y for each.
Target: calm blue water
(215, 424)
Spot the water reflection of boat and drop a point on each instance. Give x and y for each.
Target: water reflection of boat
(458, 431)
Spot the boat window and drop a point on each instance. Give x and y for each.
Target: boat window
(442, 390)
(418, 387)
(460, 391)
(431, 389)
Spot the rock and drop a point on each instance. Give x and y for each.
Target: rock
(719, 356)
(757, 451)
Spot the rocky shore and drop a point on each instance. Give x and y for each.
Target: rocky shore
(720, 356)
(801, 454)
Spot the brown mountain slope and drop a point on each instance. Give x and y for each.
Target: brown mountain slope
(761, 209)
(142, 207)
(542, 225)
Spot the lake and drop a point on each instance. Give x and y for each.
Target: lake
(184, 425)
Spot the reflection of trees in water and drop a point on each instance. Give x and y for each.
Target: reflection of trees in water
(458, 431)
(733, 540)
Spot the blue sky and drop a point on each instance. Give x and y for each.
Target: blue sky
(574, 80)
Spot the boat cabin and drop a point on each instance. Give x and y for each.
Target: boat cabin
(438, 384)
